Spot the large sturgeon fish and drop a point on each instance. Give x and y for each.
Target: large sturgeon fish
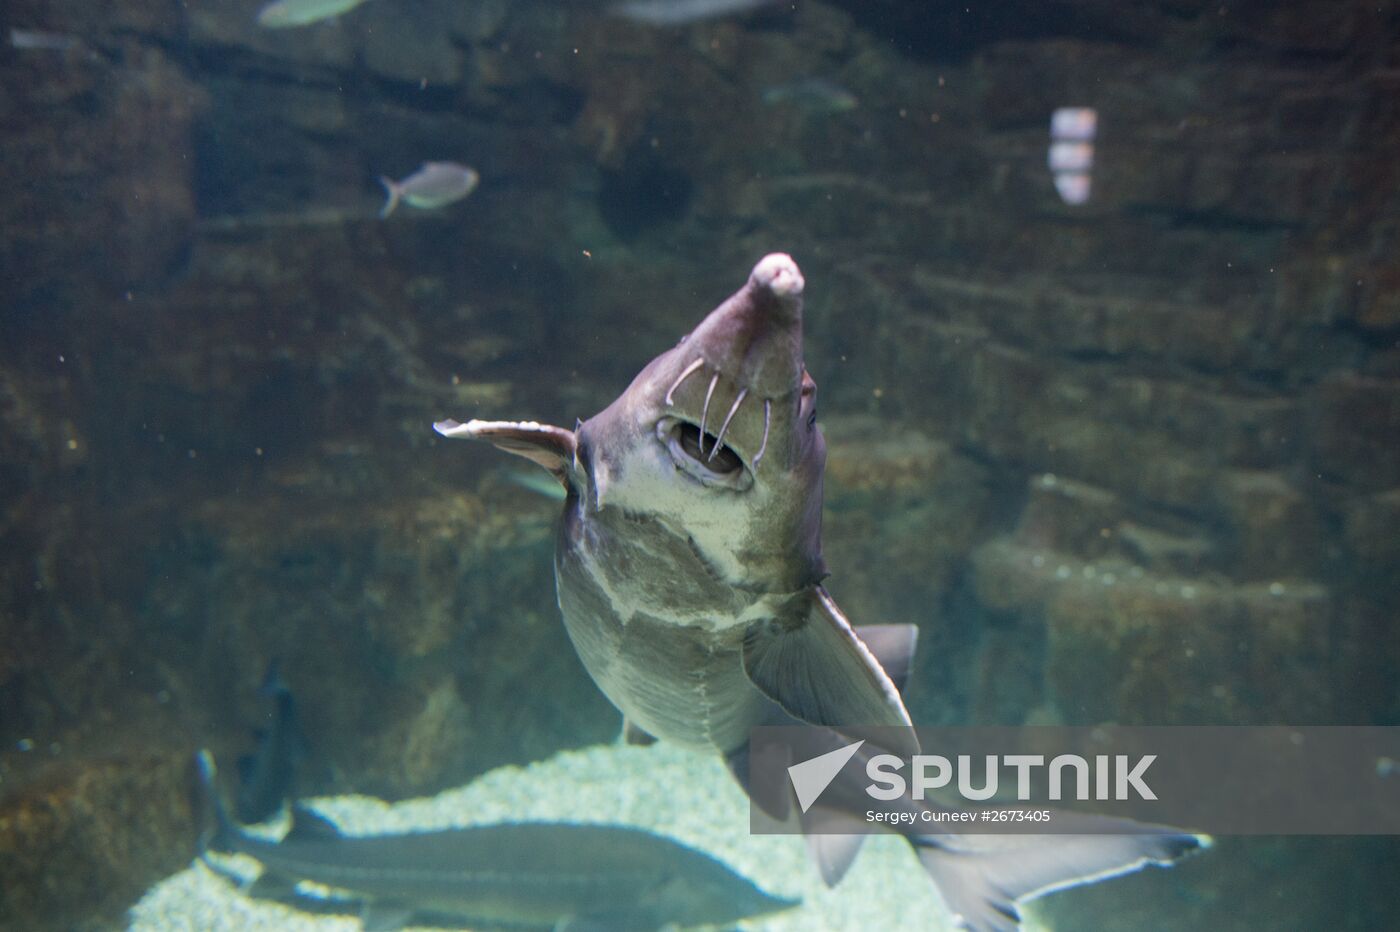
(689, 575)
(516, 875)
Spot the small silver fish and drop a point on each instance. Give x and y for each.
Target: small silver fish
(435, 185)
(683, 12)
(283, 14)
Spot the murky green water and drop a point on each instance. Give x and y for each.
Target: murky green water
(1101, 303)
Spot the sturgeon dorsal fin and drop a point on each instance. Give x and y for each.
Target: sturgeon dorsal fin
(820, 672)
(309, 825)
(549, 446)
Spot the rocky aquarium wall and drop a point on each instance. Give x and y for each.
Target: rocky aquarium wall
(1135, 459)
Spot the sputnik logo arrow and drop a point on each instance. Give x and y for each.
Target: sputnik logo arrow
(813, 776)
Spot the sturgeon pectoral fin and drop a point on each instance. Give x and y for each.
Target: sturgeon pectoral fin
(821, 673)
(775, 798)
(836, 847)
(549, 446)
(893, 646)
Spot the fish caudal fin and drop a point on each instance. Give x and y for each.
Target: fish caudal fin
(393, 193)
(982, 877)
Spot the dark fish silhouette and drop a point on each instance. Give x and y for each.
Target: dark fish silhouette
(542, 875)
(267, 777)
(684, 12)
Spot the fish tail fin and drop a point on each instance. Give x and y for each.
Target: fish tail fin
(982, 877)
(216, 828)
(393, 192)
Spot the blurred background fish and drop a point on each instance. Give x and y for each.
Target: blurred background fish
(286, 13)
(811, 95)
(540, 483)
(683, 12)
(39, 40)
(1077, 123)
(435, 185)
(1071, 155)
(267, 777)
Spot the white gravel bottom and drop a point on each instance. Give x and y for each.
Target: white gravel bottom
(687, 796)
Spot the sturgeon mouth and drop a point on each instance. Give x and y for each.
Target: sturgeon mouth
(703, 456)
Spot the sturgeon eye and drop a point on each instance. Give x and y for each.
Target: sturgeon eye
(724, 461)
(812, 420)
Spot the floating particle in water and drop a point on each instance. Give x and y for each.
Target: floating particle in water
(1386, 767)
(1090, 572)
(1108, 579)
(1038, 560)
(1276, 589)
(25, 744)
(1188, 592)
(1063, 572)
